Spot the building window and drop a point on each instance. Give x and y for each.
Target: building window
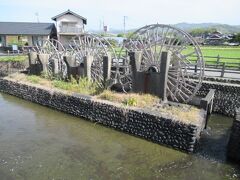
(37, 40)
(12, 40)
(1, 41)
(17, 40)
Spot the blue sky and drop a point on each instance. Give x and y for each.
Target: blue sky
(138, 12)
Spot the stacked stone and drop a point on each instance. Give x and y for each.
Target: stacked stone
(234, 141)
(156, 128)
(226, 99)
(223, 80)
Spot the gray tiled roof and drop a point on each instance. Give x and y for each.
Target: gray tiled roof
(26, 28)
(72, 13)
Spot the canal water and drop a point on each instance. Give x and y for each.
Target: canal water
(40, 143)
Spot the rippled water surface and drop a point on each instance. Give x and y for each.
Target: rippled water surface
(40, 143)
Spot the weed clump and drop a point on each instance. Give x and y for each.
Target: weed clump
(131, 99)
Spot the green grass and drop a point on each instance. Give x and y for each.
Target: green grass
(33, 79)
(229, 52)
(222, 51)
(12, 58)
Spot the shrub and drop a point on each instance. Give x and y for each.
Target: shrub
(120, 35)
(130, 101)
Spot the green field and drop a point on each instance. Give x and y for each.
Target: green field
(210, 54)
(228, 52)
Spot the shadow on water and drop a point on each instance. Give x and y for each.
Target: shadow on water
(40, 143)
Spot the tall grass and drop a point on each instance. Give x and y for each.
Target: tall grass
(83, 86)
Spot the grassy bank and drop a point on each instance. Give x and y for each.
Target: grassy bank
(19, 58)
(130, 99)
(83, 87)
(184, 113)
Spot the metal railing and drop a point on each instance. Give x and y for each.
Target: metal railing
(12, 53)
(216, 66)
(67, 29)
(221, 65)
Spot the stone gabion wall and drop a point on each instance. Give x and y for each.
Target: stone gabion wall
(155, 128)
(222, 80)
(234, 141)
(227, 96)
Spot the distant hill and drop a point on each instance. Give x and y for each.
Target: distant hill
(111, 31)
(224, 28)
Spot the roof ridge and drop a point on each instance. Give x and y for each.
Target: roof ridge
(27, 22)
(73, 13)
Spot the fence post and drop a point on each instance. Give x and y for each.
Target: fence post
(218, 61)
(196, 68)
(8, 68)
(223, 70)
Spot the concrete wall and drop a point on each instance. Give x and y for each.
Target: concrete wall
(157, 128)
(233, 152)
(227, 96)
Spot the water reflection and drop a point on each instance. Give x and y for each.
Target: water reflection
(40, 143)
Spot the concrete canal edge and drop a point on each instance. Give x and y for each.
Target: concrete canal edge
(156, 128)
(226, 98)
(233, 151)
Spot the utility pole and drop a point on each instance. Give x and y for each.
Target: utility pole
(37, 15)
(100, 25)
(124, 24)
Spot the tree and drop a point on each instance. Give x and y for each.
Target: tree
(129, 34)
(202, 31)
(236, 38)
(113, 42)
(120, 35)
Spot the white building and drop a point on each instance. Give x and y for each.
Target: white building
(68, 25)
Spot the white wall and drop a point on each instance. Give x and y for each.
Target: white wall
(69, 18)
